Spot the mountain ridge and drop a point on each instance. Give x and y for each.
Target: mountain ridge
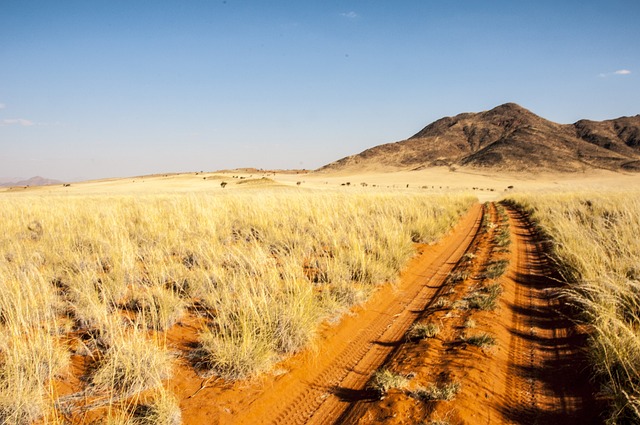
(33, 181)
(511, 138)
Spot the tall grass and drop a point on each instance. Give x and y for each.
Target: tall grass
(264, 267)
(596, 243)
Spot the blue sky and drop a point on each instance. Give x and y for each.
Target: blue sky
(92, 89)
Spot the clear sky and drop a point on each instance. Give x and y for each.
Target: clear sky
(105, 88)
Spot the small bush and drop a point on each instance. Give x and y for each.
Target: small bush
(496, 269)
(131, 364)
(482, 340)
(458, 276)
(234, 357)
(383, 380)
(442, 303)
(468, 256)
(157, 307)
(445, 392)
(486, 298)
(421, 330)
(163, 409)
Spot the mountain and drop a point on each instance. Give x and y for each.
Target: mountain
(511, 138)
(33, 181)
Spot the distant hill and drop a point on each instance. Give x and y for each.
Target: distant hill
(510, 138)
(33, 181)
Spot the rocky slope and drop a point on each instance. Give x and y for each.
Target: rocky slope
(508, 137)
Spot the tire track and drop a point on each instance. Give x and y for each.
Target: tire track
(392, 339)
(533, 375)
(545, 383)
(439, 357)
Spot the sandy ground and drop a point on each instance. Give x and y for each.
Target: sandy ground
(487, 186)
(532, 375)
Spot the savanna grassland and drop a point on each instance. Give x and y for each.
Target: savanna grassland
(90, 286)
(596, 248)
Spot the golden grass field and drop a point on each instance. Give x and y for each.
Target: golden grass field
(103, 277)
(93, 275)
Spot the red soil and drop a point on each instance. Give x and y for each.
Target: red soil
(534, 373)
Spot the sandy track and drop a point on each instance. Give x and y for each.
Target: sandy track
(546, 379)
(534, 373)
(320, 386)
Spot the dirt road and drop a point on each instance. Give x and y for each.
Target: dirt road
(546, 379)
(531, 373)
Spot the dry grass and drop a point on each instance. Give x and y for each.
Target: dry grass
(445, 391)
(482, 340)
(485, 297)
(383, 380)
(264, 267)
(422, 330)
(131, 364)
(596, 245)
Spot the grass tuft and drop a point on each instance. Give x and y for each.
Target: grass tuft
(383, 380)
(482, 340)
(486, 298)
(441, 392)
(496, 269)
(130, 365)
(162, 409)
(422, 330)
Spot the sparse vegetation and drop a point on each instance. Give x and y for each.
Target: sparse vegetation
(485, 298)
(442, 303)
(468, 256)
(496, 269)
(446, 391)
(459, 275)
(422, 330)
(383, 380)
(482, 340)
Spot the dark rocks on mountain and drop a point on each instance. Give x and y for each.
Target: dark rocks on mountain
(509, 137)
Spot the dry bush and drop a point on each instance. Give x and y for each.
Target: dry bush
(131, 364)
(383, 380)
(162, 409)
(445, 391)
(156, 307)
(422, 330)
